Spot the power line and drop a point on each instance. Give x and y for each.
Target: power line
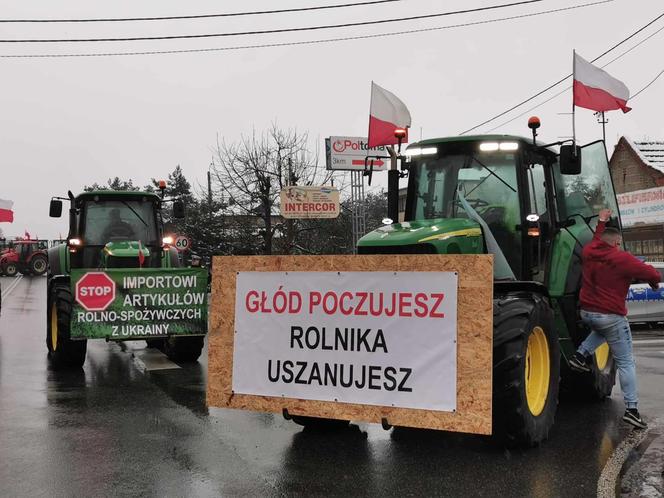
(273, 31)
(641, 42)
(200, 16)
(562, 79)
(642, 89)
(306, 42)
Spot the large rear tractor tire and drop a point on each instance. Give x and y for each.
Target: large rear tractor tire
(38, 265)
(62, 351)
(526, 369)
(183, 349)
(10, 269)
(595, 385)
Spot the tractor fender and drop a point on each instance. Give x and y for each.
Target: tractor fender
(512, 304)
(57, 260)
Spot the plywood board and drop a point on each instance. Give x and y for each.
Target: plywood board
(474, 339)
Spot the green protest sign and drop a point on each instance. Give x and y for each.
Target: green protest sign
(120, 304)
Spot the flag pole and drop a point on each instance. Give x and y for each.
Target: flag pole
(573, 106)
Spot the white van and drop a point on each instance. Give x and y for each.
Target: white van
(644, 304)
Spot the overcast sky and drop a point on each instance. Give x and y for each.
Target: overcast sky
(68, 122)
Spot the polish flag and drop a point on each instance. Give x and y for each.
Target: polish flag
(386, 114)
(596, 89)
(141, 256)
(6, 213)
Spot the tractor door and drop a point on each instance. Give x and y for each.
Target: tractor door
(578, 199)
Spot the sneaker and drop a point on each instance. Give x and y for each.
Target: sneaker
(578, 363)
(632, 416)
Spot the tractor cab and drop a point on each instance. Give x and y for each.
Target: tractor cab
(115, 229)
(499, 194)
(25, 256)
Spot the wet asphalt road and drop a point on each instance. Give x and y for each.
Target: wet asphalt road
(124, 426)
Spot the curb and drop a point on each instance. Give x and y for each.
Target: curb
(645, 477)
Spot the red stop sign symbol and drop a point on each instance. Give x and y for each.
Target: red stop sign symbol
(95, 291)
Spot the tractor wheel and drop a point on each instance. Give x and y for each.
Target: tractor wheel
(38, 266)
(10, 269)
(319, 424)
(595, 385)
(526, 369)
(63, 352)
(183, 349)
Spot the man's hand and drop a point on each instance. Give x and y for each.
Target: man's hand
(604, 215)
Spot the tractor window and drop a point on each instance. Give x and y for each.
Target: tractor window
(113, 221)
(591, 190)
(487, 182)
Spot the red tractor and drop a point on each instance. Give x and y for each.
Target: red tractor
(27, 257)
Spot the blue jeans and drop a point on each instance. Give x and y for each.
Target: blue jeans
(613, 329)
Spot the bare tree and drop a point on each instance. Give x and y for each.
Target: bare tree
(251, 173)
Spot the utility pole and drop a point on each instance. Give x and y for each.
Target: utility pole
(209, 182)
(600, 119)
(289, 222)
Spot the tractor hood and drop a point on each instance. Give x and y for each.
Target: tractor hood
(125, 249)
(445, 235)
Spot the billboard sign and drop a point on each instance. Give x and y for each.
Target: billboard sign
(642, 207)
(381, 338)
(350, 153)
(138, 303)
(308, 202)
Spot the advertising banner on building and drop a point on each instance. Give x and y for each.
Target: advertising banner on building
(138, 303)
(350, 153)
(642, 206)
(375, 338)
(309, 202)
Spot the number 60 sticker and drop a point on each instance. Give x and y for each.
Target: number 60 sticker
(182, 243)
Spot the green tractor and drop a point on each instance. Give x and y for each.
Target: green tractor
(534, 207)
(117, 278)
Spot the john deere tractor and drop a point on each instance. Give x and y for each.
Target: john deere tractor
(532, 206)
(117, 278)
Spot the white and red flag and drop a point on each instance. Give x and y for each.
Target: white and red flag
(6, 213)
(596, 89)
(141, 256)
(386, 114)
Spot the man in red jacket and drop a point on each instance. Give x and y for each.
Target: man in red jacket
(607, 275)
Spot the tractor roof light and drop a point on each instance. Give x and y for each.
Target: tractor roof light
(503, 146)
(489, 146)
(168, 240)
(400, 133)
(509, 146)
(74, 242)
(534, 122)
(423, 151)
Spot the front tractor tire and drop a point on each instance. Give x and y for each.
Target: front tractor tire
(62, 351)
(183, 349)
(10, 269)
(526, 369)
(38, 265)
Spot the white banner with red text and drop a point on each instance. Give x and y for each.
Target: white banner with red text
(375, 338)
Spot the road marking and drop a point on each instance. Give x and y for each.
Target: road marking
(148, 360)
(648, 342)
(12, 286)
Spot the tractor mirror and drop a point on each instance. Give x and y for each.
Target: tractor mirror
(570, 159)
(178, 210)
(55, 209)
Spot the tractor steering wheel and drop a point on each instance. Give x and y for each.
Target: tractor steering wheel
(474, 203)
(119, 232)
